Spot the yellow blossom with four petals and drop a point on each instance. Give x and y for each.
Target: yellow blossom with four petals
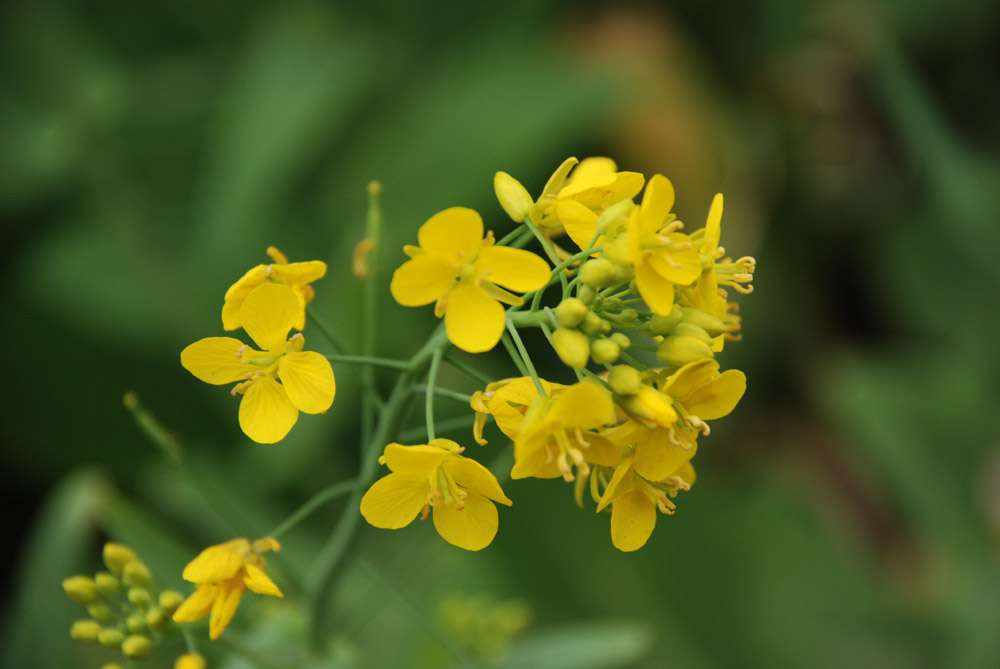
(296, 275)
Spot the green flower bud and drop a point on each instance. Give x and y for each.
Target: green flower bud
(625, 380)
(137, 646)
(628, 315)
(116, 556)
(612, 304)
(136, 623)
(81, 589)
(107, 583)
(685, 329)
(100, 611)
(604, 351)
(614, 215)
(571, 312)
(591, 323)
(571, 346)
(587, 294)
(111, 637)
(170, 601)
(112, 665)
(678, 351)
(513, 197)
(155, 618)
(597, 272)
(605, 326)
(85, 631)
(659, 324)
(706, 321)
(622, 340)
(137, 574)
(140, 597)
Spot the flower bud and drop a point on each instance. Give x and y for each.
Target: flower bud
(591, 323)
(625, 380)
(107, 583)
(170, 601)
(140, 597)
(678, 351)
(116, 556)
(85, 631)
(628, 315)
(136, 623)
(660, 324)
(685, 329)
(614, 215)
(604, 351)
(155, 618)
(622, 340)
(100, 611)
(81, 589)
(571, 312)
(587, 294)
(137, 574)
(597, 272)
(571, 346)
(190, 661)
(706, 321)
(137, 646)
(112, 665)
(513, 197)
(110, 637)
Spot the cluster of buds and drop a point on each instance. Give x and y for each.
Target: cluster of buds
(125, 612)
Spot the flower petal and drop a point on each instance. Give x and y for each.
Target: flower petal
(308, 380)
(583, 405)
(197, 605)
(682, 267)
(718, 398)
(621, 482)
(473, 319)
(299, 273)
(419, 460)
(656, 457)
(395, 500)
(456, 233)
(259, 582)
(215, 564)
(657, 292)
(214, 360)
(471, 527)
(516, 269)
(657, 202)
(224, 609)
(266, 413)
(268, 313)
(633, 517)
(237, 294)
(473, 476)
(422, 280)
(713, 226)
(579, 221)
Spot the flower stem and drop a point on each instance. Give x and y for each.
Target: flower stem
(429, 397)
(319, 499)
(443, 392)
(369, 310)
(472, 373)
(525, 357)
(369, 360)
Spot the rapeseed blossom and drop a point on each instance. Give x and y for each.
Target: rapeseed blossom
(296, 275)
(276, 382)
(222, 574)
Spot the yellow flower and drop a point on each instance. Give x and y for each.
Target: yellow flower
(635, 500)
(554, 435)
(268, 409)
(462, 272)
(190, 661)
(506, 400)
(661, 256)
(296, 275)
(434, 476)
(223, 573)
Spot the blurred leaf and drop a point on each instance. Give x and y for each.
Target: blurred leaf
(590, 645)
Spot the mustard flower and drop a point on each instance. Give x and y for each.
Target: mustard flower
(462, 273)
(296, 275)
(660, 255)
(460, 491)
(222, 574)
(635, 500)
(506, 400)
(268, 409)
(555, 434)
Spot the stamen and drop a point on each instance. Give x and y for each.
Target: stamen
(665, 505)
(425, 512)
(580, 440)
(239, 353)
(563, 465)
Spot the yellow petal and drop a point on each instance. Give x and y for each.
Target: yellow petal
(299, 273)
(579, 221)
(583, 405)
(713, 226)
(197, 605)
(215, 564)
(516, 269)
(224, 609)
(268, 313)
(601, 451)
(558, 178)
(308, 380)
(471, 475)
(395, 500)
(214, 360)
(633, 517)
(266, 413)
(456, 233)
(685, 381)
(656, 203)
(238, 292)
(682, 267)
(422, 280)
(656, 457)
(593, 167)
(657, 292)
(718, 398)
(621, 482)
(686, 472)
(419, 460)
(474, 321)
(472, 527)
(259, 582)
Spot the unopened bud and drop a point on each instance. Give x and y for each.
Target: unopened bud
(571, 346)
(116, 556)
(110, 637)
(155, 618)
(706, 321)
(628, 315)
(587, 294)
(622, 340)
(625, 380)
(140, 597)
(107, 583)
(137, 646)
(678, 351)
(685, 329)
(513, 197)
(660, 324)
(81, 589)
(190, 661)
(571, 312)
(136, 623)
(170, 601)
(100, 611)
(597, 272)
(614, 215)
(591, 323)
(85, 631)
(112, 665)
(137, 574)
(604, 351)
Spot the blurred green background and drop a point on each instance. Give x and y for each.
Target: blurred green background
(846, 514)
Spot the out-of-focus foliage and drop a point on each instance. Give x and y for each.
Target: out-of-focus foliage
(846, 514)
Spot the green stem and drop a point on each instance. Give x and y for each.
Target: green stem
(369, 310)
(368, 360)
(429, 396)
(543, 240)
(514, 355)
(328, 494)
(525, 357)
(472, 373)
(443, 392)
(444, 426)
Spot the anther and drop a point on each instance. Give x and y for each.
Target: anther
(239, 353)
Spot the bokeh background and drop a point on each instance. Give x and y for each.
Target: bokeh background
(846, 514)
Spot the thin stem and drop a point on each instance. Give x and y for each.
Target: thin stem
(443, 392)
(518, 234)
(632, 361)
(369, 360)
(429, 397)
(512, 352)
(472, 373)
(324, 330)
(543, 240)
(328, 494)
(525, 357)
(443, 426)
(369, 309)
